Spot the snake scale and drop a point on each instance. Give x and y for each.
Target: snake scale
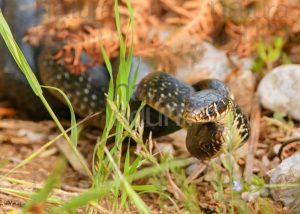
(206, 109)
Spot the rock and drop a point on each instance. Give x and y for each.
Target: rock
(250, 196)
(165, 148)
(279, 90)
(243, 88)
(286, 173)
(206, 61)
(193, 167)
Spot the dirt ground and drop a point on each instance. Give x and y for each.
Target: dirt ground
(21, 138)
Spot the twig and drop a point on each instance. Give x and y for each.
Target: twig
(255, 127)
(200, 168)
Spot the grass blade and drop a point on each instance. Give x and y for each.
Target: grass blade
(74, 128)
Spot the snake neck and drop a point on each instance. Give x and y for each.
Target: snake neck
(237, 128)
(165, 94)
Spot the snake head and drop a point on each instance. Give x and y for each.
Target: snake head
(206, 106)
(205, 141)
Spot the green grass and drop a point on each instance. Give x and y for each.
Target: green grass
(270, 55)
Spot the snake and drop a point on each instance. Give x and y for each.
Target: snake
(207, 110)
(214, 122)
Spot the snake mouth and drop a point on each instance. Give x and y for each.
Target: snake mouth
(207, 114)
(199, 117)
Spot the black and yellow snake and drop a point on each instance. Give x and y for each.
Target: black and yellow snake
(206, 109)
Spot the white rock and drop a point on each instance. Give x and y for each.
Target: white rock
(166, 148)
(193, 167)
(279, 90)
(206, 61)
(250, 196)
(285, 173)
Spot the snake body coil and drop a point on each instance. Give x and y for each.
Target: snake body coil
(213, 121)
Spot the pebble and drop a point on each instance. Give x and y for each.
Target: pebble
(191, 168)
(285, 173)
(166, 148)
(276, 148)
(250, 196)
(279, 90)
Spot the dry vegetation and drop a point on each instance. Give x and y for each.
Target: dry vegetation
(170, 26)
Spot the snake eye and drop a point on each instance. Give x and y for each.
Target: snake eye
(211, 110)
(207, 147)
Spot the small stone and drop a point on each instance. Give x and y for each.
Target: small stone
(245, 196)
(265, 161)
(32, 136)
(166, 148)
(191, 168)
(15, 160)
(253, 196)
(276, 148)
(250, 196)
(226, 179)
(279, 90)
(260, 152)
(284, 174)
